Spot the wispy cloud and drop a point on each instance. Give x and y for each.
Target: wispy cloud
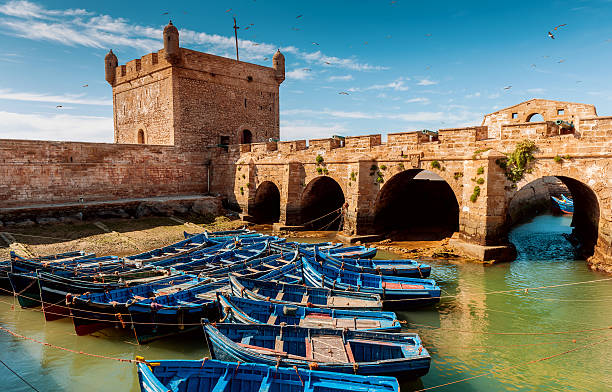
(422, 100)
(56, 127)
(396, 85)
(473, 95)
(79, 99)
(340, 77)
(298, 74)
(536, 90)
(426, 82)
(77, 27)
(295, 130)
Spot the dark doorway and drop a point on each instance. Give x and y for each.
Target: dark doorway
(246, 137)
(322, 201)
(141, 137)
(416, 204)
(266, 207)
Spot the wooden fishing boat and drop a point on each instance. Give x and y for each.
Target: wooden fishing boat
(209, 375)
(222, 233)
(297, 294)
(399, 267)
(55, 290)
(394, 290)
(336, 250)
(174, 313)
(25, 288)
(201, 254)
(249, 311)
(186, 246)
(58, 256)
(564, 204)
(254, 268)
(76, 265)
(223, 259)
(92, 312)
(5, 283)
(359, 352)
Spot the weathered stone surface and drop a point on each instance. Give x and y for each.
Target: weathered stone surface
(208, 206)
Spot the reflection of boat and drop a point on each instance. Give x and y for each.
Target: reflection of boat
(211, 375)
(565, 204)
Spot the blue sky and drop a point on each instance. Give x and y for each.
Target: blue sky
(405, 65)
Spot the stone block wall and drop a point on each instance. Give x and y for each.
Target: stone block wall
(40, 172)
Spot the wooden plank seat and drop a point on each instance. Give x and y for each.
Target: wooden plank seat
(328, 348)
(356, 323)
(343, 302)
(402, 286)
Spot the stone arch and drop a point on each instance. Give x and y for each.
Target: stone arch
(322, 196)
(416, 199)
(265, 207)
(140, 136)
(535, 117)
(591, 208)
(246, 137)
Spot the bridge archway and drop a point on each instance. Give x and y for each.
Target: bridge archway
(416, 202)
(266, 205)
(534, 117)
(322, 196)
(534, 198)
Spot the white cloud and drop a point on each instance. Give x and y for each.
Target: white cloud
(457, 117)
(426, 82)
(82, 28)
(78, 99)
(340, 77)
(56, 127)
(396, 85)
(474, 95)
(494, 95)
(298, 74)
(422, 100)
(296, 130)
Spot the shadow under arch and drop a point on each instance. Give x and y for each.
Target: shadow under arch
(321, 197)
(416, 203)
(266, 204)
(533, 198)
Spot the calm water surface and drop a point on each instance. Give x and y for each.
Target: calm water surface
(463, 333)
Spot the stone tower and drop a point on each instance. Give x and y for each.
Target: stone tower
(193, 100)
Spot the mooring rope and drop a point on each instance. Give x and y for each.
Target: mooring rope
(21, 378)
(319, 218)
(516, 366)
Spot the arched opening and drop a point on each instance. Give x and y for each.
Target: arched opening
(543, 229)
(416, 204)
(321, 201)
(535, 117)
(141, 137)
(246, 137)
(266, 206)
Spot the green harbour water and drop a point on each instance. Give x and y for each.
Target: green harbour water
(492, 341)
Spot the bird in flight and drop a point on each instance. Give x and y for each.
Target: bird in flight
(328, 63)
(561, 61)
(228, 10)
(343, 93)
(255, 44)
(298, 17)
(507, 87)
(59, 106)
(295, 29)
(165, 13)
(306, 69)
(561, 25)
(428, 35)
(551, 35)
(265, 58)
(315, 43)
(85, 85)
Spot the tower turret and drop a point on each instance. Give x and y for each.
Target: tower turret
(110, 65)
(278, 63)
(171, 43)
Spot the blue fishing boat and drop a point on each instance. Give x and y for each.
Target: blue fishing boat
(5, 283)
(394, 290)
(297, 294)
(186, 246)
(209, 375)
(407, 267)
(357, 252)
(55, 289)
(564, 204)
(343, 351)
(174, 313)
(249, 311)
(223, 259)
(91, 312)
(254, 268)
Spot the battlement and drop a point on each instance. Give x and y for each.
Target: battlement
(190, 60)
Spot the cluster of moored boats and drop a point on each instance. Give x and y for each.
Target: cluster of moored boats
(276, 315)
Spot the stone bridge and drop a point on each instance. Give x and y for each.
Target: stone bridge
(385, 186)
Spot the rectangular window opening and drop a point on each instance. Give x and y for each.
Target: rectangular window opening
(560, 112)
(514, 116)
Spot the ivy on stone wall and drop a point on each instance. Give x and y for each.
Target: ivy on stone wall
(516, 163)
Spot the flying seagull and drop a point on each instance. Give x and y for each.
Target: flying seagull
(228, 10)
(59, 106)
(328, 63)
(343, 93)
(551, 35)
(315, 43)
(165, 13)
(306, 69)
(507, 87)
(85, 85)
(561, 61)
(298, 17)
